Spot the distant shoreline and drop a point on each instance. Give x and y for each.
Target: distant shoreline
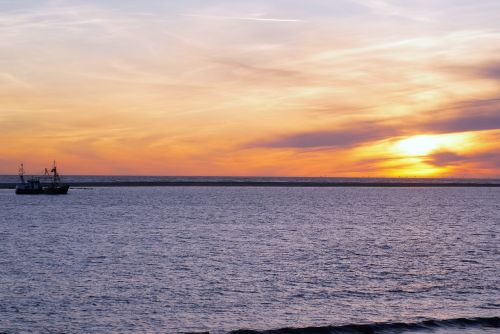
(296, 184)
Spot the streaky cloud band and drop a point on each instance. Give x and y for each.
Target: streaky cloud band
(263, 19)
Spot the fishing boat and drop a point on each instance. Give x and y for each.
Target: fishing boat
(33, 186)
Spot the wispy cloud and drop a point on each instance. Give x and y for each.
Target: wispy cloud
(244, 18)
(387, 8)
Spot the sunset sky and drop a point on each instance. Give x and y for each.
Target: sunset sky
(263, 87)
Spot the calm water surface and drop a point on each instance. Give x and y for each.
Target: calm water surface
(220, 259)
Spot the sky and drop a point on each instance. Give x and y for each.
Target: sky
(346, 88)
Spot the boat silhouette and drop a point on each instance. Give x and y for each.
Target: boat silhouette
(33, 186)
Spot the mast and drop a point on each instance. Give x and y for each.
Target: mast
(21, 173)
(55, 175)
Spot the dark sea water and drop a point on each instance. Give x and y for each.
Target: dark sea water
(193, 259)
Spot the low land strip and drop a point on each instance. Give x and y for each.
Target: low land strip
(269, 184)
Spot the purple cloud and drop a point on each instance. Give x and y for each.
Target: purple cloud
(350, 135)
(486, 159)
(446, 159)
(472, 115)
(464, 123)
(491, 71)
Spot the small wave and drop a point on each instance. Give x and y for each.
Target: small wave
(384, 327)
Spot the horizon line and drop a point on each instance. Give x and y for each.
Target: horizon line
(281, 176)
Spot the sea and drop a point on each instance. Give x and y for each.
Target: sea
(244, 260)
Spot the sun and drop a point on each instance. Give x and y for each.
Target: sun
(423, 145)
(418, 145)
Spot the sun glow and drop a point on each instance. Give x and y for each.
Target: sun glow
(418, 145)
(423, 145)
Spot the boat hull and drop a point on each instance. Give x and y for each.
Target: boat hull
(57, 190)
(49, 190)
(28, 191)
